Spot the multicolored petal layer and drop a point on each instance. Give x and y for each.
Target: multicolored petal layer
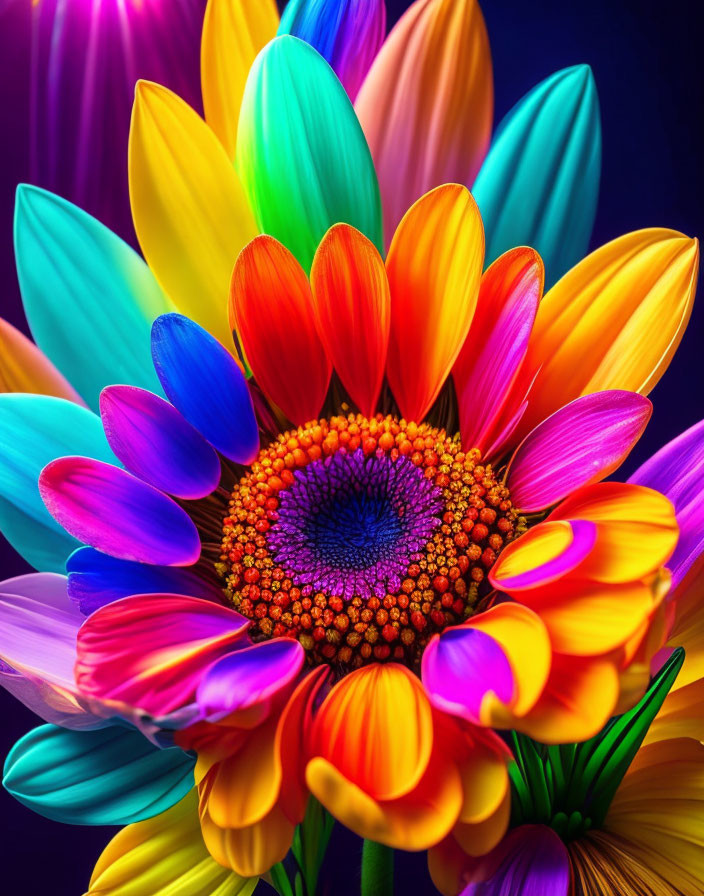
(25, 368)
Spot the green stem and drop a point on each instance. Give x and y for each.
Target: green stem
(377, 869)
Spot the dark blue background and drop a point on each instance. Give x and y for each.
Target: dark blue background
(647, 60)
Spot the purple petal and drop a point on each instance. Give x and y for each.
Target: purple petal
(677, 470)
(154, 442)
(114, 512)
(460, 667)
(249, 676)
(578, 445)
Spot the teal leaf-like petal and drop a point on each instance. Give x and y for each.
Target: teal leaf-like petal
(89, 298)
(110, 776)
(539, 183)
(301, 153)
(34, 430)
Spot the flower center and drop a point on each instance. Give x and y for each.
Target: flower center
(362, 538)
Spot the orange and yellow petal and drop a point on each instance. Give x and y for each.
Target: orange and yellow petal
(25, 368)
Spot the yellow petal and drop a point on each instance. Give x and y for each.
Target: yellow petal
(682, 714)
(479, 839)
(188, 206)
(164, 856)
(25, 368)
(234, 31)
(485, 782)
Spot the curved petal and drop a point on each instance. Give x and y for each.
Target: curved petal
(154, 442)
(233, 34)
(582, 443)
(25, 368)
(428, 102)
(190, 212)
(295, 119)
(353, 311)
(111, 776)
(93, 320)
(539, 183)
(271, 307)
(109, 509)
(151, 650)
(434, 265)
(34, 430)
(203, 380)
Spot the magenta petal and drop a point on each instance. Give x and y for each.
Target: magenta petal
(150, 651)
(460, 667)
(156, 443)
(578, 445)
(114, 512)
(249, 676)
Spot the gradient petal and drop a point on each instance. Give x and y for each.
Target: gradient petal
(233, 34)
(89, 298)
(539, 183)
(427, 104)
(190, 212)
(25, 368)
(35, 429)
(154, 442)
(434, 265)
(582, 443)
(110, 510)
(346, 33)
(295, 119)
(203, 380)
(150, 651)
(251, 850)
(271, 307)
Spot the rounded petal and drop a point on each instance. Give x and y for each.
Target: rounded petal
(480, 838)
(271, 307)
(434, 266)
(25, 368)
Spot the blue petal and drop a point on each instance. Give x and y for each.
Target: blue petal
(539, 183)
(202, 379)
(89, 298)
(34, 430)
(110, 776)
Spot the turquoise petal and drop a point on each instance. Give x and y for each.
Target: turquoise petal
(110, 776)
(301, 154)
(89, 298)
(36, 429)
(539, 183)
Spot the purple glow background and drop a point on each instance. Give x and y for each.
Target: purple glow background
(648, 66)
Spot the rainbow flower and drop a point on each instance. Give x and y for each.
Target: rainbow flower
(334, 561)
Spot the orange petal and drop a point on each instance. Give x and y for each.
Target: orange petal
(479, 839)
(446, 863)
(434, 266)
(271, 307)
(352, 305)
(25, 368)
(485, 782)
(426, 106)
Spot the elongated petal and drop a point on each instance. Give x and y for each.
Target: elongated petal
(346, 33)
(25, 368)
(352, 307)
(580, 444)
(295, 120)
(113, 511)
(110, 776)
(272, 309)
(613, 322)
(151, 650)
(434, 265)
(35, 429)
(233, 34)
(89, 298)
(154, 442)
(427, 104)
(203, 380)
(189, 209)
(539, 183)
(165, 856)
(493, 352)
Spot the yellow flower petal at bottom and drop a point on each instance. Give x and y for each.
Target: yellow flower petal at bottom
(486, 783)
(164, 856)
(252, 850)
(479, 839)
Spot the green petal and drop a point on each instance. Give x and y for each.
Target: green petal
(301, 153)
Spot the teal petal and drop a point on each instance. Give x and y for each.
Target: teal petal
(89, 298)
(301, 154)
(110, 776)
(539, 183)
(34, 430)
